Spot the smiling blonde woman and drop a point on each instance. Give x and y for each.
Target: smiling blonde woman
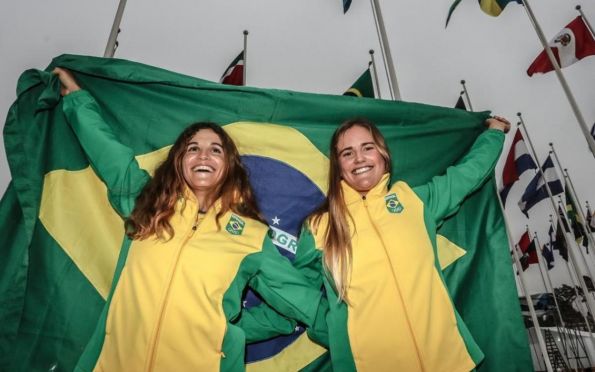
(374, 247)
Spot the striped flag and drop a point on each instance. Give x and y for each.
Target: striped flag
(491, 7)
(234, 74)
(536, 190)
(573, 43)
(518, 162)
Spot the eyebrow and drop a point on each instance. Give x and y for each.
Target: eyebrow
(351, 147)
(212, 143)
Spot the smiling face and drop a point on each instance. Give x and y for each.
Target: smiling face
(360, 160)
(204, 163)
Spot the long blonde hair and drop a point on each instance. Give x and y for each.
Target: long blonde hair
(337, 236)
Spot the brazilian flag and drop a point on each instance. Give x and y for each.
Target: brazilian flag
(59, 237)
(362, 87)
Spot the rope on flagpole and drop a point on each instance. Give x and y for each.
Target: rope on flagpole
(389, 66)
(575, 109)
(245, 56)
(112, 41)
(375, 73)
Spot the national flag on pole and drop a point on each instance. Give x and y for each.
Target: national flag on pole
(461, 103)
(517, 162)
(575, 219)
(558, 241)
(491, 7)
(363, 86)
(346, 5)
(536, 190)
(590, 218)
(60, 237)
(573, 43)
(234, 74)
(528, 249)
(548, 255)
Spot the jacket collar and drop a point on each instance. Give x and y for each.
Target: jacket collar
(351, 196)
(189, 198)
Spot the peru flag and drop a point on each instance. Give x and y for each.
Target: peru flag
(517, 162)
(570, 45)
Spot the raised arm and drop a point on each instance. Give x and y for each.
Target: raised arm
(113, 162)
(444, 194)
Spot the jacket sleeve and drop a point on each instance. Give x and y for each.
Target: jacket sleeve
(443, 195)
(308, 261)
(261, 322)
(113, 162)
(283, 287)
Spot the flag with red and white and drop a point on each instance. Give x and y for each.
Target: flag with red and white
(570, 45)
(517, 162)
(234, 74)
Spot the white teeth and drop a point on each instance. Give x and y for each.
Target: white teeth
(361, 170)
(202, 168)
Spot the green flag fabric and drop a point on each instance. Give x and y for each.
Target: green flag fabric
(362, 87)
(60, 238)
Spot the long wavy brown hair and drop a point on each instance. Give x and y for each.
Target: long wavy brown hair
(156, 204)
(337, 236)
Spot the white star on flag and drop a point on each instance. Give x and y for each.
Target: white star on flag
(276, 220)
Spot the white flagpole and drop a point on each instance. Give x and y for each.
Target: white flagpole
(516, 260)
(576, 200)
(245, 55)
(466, 95)
(375, 73)
(112, 41)
(545, 274)
(577, 112)
(540, 339)
(590, 301)
(578, 7)
(385, 49)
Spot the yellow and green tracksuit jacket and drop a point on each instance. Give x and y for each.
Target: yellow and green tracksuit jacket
(399, 315)
(176, 305)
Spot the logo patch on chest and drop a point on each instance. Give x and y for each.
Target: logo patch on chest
(393, 205)
(235, 225)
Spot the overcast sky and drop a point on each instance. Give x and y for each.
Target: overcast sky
(309, 45)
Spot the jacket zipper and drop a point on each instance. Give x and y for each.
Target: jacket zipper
(153, 348)
(365, 202)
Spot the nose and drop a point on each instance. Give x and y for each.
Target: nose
(204, 154)
(358, 157)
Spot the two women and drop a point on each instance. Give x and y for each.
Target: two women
(374, 247)
(194, 242)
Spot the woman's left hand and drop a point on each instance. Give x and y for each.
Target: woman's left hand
(498, 122)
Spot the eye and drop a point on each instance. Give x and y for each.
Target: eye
(217, 150)
(192, 148)
(347, 154)
(369, 147)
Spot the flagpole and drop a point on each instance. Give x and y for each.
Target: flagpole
(112, 41)
(375, 73)
(516, 260)
(540, 340)
(466, 95)
(577, 203)
(577, 113)
(578, 7)
(590, 301)
(385, 49)
(545, 274)
(538, 260)
(245, 55)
